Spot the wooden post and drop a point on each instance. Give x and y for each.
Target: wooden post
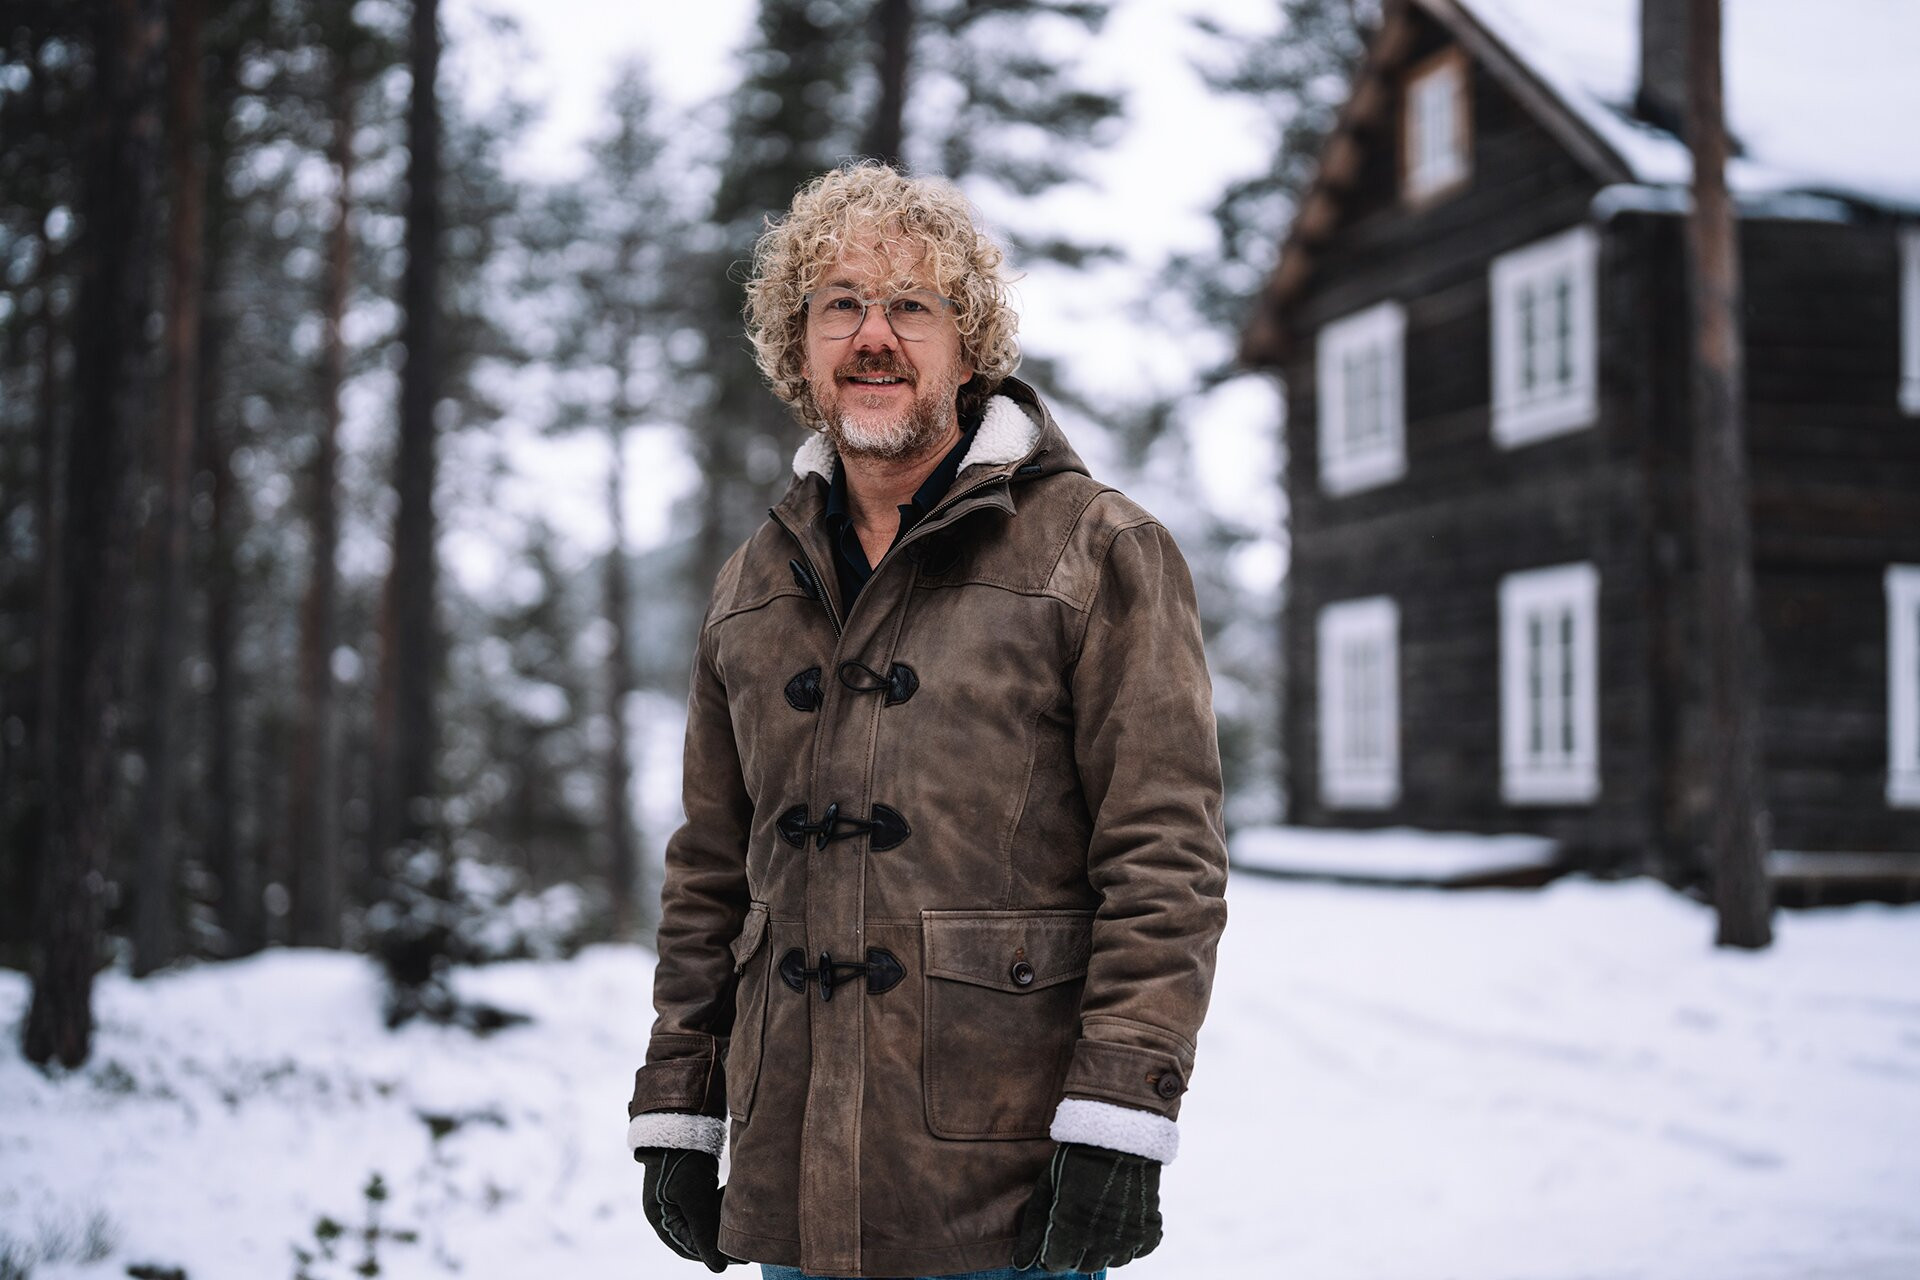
(1739, 827)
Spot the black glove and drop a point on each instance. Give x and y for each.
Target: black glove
(683, 1195)
(1092, 1208)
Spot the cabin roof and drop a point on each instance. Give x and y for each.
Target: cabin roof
(1821, 97)
(1820, 101)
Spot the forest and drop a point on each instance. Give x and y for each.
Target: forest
(271, 297)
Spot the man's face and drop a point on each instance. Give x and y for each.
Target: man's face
(879, 396)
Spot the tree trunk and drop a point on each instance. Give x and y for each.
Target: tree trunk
(622, 841)
(313, 817)
(893, 45)
(23, 692)
(1739, 826)
(107, 396)
(155, 935)
(240, 911)
(404, 727)
(239, 871)
(49, 522)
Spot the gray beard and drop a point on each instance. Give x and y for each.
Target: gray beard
(924, 423)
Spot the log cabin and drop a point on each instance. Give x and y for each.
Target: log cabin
(1480, 317)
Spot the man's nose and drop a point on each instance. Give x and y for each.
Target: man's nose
(874, 331)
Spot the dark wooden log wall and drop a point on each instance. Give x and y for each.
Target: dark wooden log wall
(1468, 511)
(1836, 499)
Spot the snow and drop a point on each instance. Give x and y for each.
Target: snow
(1506, 1085)
(1389, 853)
(1821, 96)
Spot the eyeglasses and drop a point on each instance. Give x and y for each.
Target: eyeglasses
(839, 312)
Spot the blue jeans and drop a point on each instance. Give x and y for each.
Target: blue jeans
(1004, 1273)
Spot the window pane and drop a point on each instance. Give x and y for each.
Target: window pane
(1566, 685)
(1363, 703)
(1563, 329)
(1436, 128)
(1353, 374)
(1529, 341)
(1536, 690)
(1350, 663)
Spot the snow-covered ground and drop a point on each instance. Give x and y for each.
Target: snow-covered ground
(1401, 854)
(1396, 1084)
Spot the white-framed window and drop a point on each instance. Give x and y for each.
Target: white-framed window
(1910, 320)
(1359, 365)
(1545, 338)
(1359, 643)
(1903, 685)
(1435, 126)
(1549, 686)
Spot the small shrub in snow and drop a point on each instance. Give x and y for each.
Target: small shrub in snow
(443, 910)
(88, 1239)
(16, 1260)
(113, 1077)
(330, 1239)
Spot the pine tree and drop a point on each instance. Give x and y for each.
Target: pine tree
(405, 733)
(1296, 73)
(998, 104)
(792, 116)
(109, 389)
(45, 59)
(156, 934)
(264, 410)
(606, 250)
(353, 53)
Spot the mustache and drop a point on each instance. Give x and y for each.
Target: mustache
(875, 364)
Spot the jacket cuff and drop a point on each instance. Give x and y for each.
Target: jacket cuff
(682, 1073)
(1103, 1124)
(1147, 1079)
(679, 1131)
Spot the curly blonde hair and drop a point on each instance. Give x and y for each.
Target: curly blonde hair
(794, 254)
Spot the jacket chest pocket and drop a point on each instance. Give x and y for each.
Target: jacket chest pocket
(752, 964)
(1002, 1013)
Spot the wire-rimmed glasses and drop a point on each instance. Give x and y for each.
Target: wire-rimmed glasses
(838, 312)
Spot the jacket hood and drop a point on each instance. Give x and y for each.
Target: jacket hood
(1016, 432)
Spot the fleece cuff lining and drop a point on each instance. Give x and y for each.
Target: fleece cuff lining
(677, 1129)
(1117, 1128)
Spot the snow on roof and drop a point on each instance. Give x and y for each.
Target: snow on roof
(1822, 96)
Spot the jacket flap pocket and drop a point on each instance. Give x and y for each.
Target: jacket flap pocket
(1017, 951)
(752, 933)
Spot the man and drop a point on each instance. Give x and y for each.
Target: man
(939, 931)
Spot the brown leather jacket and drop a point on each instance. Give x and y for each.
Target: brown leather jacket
(950, 857)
